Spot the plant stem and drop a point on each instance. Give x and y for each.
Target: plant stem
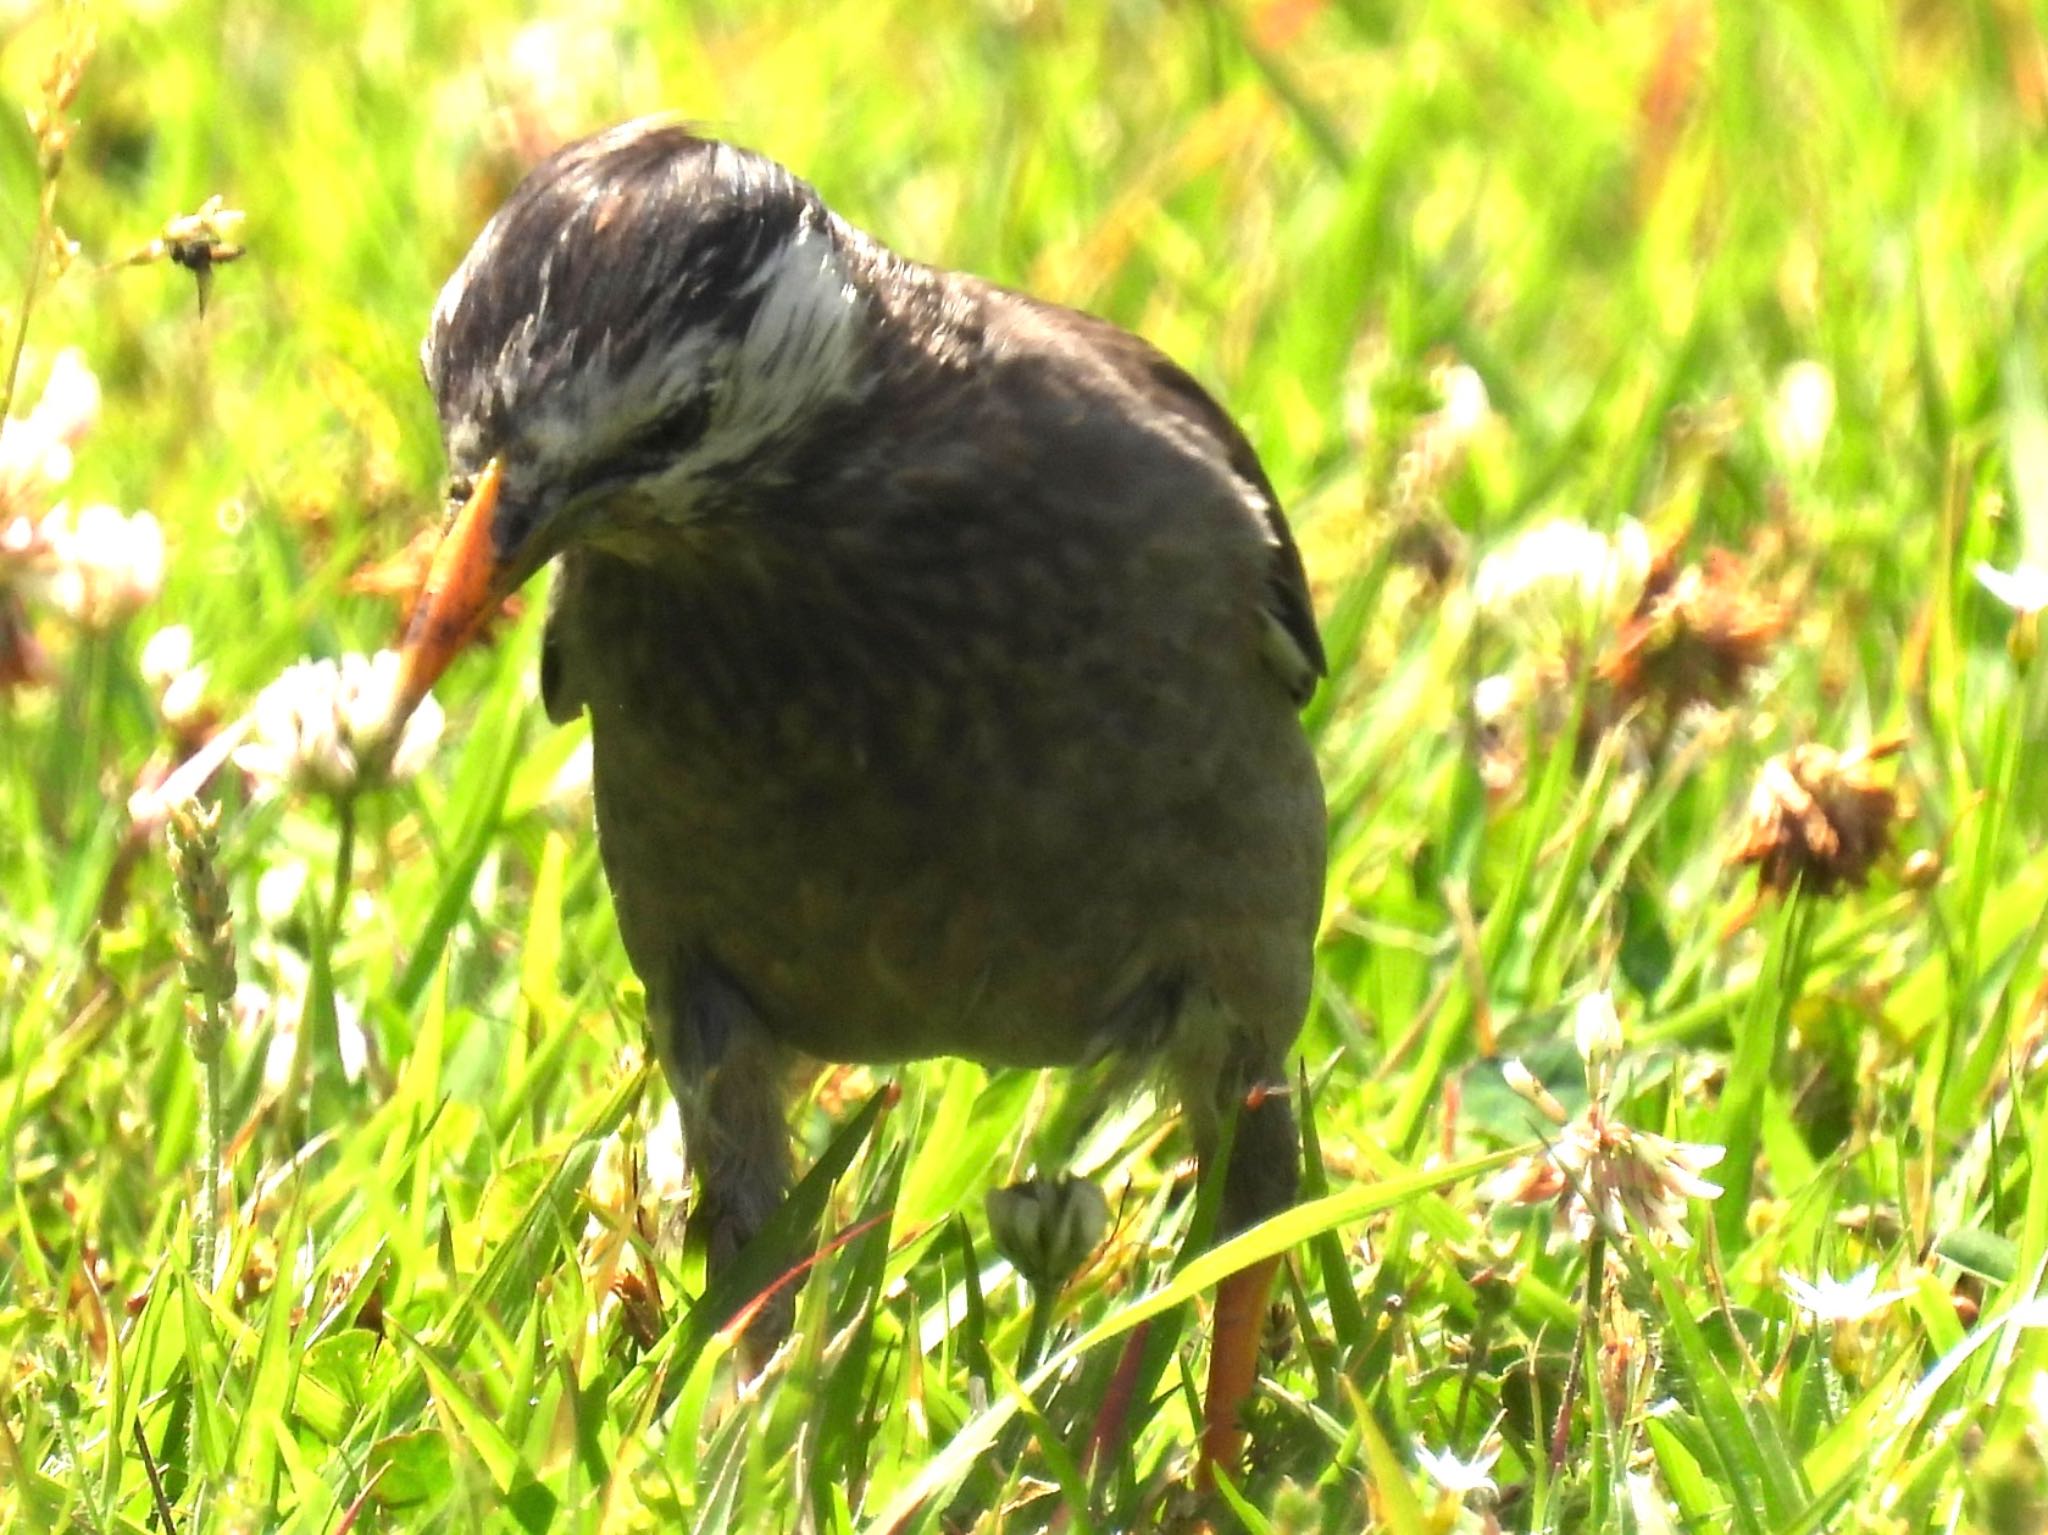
(1042, 1299)
(31, 286)
(210, 1109)
(344, 862)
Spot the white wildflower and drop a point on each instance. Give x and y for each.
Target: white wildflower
(1047, 1226)
(1596, 1030)
(183, 703)
(1461, 1478)
(320, 727)
(1804, 411)
(1552, 580)
(2024, 588)
(1854, 1299)
(279, 890)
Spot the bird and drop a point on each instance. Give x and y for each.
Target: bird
(943, 649)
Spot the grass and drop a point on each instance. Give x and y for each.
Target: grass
(1629, 221)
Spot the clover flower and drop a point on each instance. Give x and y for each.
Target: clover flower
(1547, 583)
(198, 242)
(102, 566)
(2024, 589)
(321, 728)
(1600, 1172)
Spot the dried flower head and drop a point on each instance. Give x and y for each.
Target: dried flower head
(62, 76)
(198, 242)
(1695, 637)
(1600, 1172)
(1818, 819)
(320, 728)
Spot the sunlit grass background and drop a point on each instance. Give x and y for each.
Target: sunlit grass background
(1633, 224)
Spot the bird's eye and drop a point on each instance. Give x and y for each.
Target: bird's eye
(461, 487)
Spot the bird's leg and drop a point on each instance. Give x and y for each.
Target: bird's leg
(1263, 1174)
(727, 1072)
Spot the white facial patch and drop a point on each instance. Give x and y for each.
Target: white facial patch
(797, 352)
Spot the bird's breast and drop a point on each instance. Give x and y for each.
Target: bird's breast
(964, 819)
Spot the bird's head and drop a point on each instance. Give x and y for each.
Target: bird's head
(636, 338)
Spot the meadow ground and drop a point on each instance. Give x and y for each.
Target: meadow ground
(1657, 390)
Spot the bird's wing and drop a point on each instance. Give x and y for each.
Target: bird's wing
(1167, 388)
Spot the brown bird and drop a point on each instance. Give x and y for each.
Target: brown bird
(942, 649)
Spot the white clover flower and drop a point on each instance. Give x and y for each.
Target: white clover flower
(1854, 1299)
(1804, 411)
(320, 727)
(1599, 1171)
(2024, 588)
(1548, 582)
(1461, 1478)
(99, 567)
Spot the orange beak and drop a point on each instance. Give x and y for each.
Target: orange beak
(464, 583)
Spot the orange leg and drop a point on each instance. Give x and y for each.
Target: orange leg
(1234, 1346)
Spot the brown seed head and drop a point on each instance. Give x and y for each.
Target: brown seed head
(1696, 636)
(1818, 818)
